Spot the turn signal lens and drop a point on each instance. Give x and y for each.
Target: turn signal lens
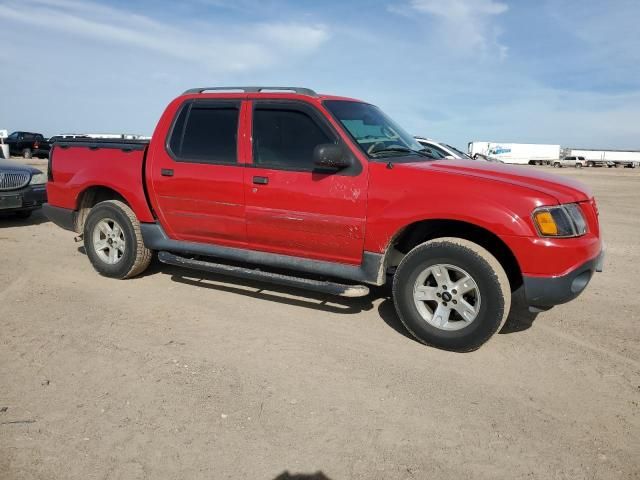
(560, 221)
(546, 223)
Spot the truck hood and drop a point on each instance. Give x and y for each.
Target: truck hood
(564, 190)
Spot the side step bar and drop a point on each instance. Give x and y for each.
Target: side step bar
(331, 288)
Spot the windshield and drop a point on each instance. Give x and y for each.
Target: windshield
(372, 129)
(459, 152)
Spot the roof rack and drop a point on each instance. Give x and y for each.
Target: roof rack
(298, 90)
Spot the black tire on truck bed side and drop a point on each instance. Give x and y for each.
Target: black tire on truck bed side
(101, 238)
(459, 257)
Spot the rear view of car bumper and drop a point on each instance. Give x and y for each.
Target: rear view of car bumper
(62, 217)
(545, 292)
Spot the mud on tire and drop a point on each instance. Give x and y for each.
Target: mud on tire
(134, 257)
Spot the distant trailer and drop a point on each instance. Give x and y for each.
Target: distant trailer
(516, 153)
(609, 158)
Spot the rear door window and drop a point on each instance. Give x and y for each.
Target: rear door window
(205, 132)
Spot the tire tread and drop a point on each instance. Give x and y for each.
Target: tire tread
(143, 254)
(483, 254)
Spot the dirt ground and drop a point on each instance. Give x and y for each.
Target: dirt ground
(181, 375)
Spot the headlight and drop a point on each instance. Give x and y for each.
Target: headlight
(561, 221)
(38, 179)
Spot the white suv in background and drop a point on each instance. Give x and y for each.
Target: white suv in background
(577, 162)
(442, 150)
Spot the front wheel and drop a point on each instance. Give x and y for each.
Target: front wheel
(451, 293)
(113, 241)
(27, 153)
(556, 165)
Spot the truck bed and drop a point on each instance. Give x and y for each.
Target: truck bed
(76, 165)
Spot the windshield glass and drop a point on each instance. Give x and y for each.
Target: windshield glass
(372, 129)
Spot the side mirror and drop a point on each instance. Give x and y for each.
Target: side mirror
(330, 155)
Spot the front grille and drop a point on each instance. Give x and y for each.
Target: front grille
(14, 180)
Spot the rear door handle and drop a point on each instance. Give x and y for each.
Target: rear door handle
(166, 172)
(260, 180)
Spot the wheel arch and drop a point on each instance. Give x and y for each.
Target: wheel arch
(421, 231)
(90, 197)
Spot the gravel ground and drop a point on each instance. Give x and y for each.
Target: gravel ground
(181, 375)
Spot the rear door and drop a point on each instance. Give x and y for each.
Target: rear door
(293, 208)
(197, 174)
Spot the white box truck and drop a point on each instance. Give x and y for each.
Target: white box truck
(609, 158)
(518, 153)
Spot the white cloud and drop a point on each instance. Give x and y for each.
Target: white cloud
(459, 9)
(466, 26)
(217, 47)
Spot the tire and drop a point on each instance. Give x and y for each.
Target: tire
(556, 165)
(131, 257)
(489, 278)
(578, 165)
(23, 214)
(590, 164)
(27, 153)
(634, 165)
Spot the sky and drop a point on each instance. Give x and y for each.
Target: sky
(530, 71)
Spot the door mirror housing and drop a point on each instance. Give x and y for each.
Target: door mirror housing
(330, 155)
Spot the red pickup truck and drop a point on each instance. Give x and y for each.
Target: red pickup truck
(328, 193)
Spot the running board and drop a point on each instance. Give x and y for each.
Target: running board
(331, 288)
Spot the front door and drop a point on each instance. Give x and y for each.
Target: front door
(292, 207)
(197, 177)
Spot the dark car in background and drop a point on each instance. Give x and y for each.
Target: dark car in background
(26, 144)
(41, 148)
(22, 188)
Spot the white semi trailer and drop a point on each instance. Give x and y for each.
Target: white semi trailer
(610, 158)
(518, 153)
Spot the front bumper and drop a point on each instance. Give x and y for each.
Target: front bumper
(27, 198)
(544, 292)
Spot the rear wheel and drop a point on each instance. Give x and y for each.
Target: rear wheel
(113, 241)
(557, 165)
(578, 165)
(451, 293)
(27, 153)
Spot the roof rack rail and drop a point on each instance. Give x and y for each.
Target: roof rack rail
(298, 90)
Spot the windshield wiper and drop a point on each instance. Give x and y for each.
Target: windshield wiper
(422, 153)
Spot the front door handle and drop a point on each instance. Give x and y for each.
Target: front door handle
(166, 172)
(260, 180)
